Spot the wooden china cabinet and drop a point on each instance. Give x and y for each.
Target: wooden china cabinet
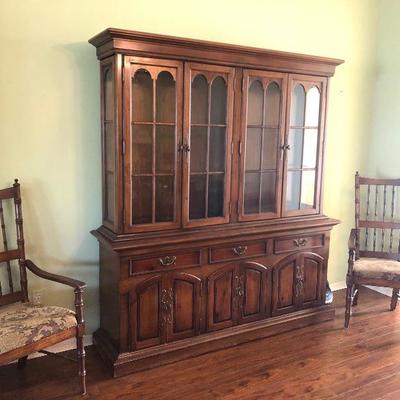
(213, 232)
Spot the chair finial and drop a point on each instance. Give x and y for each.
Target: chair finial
(16, 183)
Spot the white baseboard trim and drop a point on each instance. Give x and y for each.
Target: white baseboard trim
(337, 286)
(68, 344)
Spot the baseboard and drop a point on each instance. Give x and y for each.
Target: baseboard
(337, 285)
(69, 344)
(342, 285)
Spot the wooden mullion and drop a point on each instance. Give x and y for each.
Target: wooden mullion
(208, 148)
(153, 211)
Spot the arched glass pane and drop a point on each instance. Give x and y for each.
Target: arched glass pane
(312, 107)
(165, 97)
(199, 100)
(272, 104)
(297, 106)
(109, 94)
(218, 101)
(142, 97)
(255, 104)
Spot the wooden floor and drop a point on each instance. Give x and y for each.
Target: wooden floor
(318, 362)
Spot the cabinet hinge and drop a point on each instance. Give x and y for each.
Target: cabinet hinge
(123, 147)
(232, 148)
(123, 73)
(240, 148)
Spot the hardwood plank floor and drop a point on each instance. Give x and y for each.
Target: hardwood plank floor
(318, 362)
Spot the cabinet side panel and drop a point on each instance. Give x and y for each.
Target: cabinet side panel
(109, 293)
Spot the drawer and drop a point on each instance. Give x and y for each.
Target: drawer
(237, 250)
(165, 262)
(286, 245)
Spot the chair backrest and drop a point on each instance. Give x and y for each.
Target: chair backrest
(377, 217)
(12, 250)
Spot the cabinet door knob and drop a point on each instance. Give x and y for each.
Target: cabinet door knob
(300, 242)
(240, 250)
(167, 261)
(285, 147)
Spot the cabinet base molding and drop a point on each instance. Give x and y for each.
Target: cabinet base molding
(126, 363)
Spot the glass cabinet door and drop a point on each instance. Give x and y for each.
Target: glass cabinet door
(108, 118)
(153, 88)
(207, 144)
(263, 108)
(304, 145)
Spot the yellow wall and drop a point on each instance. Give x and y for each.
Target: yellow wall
(383, 153)
(49, 106)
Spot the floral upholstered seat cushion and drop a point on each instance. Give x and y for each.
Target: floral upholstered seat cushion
(377, 268)
(22, 324)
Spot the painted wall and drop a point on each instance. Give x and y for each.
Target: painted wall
(383, 152)
(49, 107)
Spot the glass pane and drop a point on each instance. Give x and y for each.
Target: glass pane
(217, 149)
(293, 190)
(110, 194)
(109, 146)
(272, 104)
(164, 198)
(165, 148)
(310, 148)
(142, 199)
(109, 94)
(216, 195)
(312, 107)
(199, 100)
(296, 148)
(165, 97)
(142, 97)
(251, 192)
(142, 149)
(297, 106)
(270, 150)
(268, 192)
(218, 101)
(253, 148)
(197, 197)
(307, 189)
(255, 104)
(198, 146)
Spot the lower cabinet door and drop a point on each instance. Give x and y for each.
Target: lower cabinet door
(221, 291)
(284, 285)
(254, 291)
(313, 290)
(298, 282)
(184, 296)
(146, 316)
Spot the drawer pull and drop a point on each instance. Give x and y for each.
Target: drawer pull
(240, 250)
(167, 261)
(300, 242)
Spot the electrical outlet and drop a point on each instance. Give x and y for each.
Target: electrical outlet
(36, 297)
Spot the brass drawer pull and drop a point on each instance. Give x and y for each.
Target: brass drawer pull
(240, 250)
(167, 261)
(300, 242)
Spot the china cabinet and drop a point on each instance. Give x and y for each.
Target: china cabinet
(213, 232)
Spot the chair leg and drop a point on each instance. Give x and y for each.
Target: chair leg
(395, 296)
(81, 363)
(348, 305)
(22, 362)
(355, 297)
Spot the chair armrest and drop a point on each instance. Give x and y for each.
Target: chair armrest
(53, 277)
(352, 240)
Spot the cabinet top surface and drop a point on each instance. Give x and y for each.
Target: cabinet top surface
(113, 40)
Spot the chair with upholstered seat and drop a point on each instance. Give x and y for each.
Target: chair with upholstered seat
(26, 328)
(374, 244)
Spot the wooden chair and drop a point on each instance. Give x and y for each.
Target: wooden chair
(26, 328)
(374, 244)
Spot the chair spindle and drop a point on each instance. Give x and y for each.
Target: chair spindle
(5, 243)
